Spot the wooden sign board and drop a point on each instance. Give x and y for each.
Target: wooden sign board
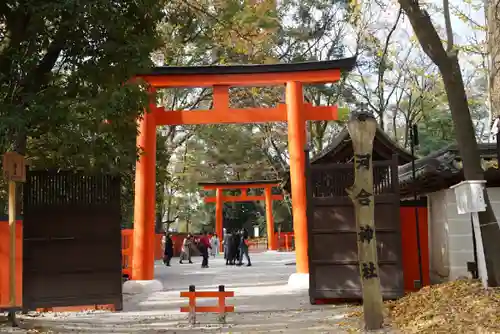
(14, 167)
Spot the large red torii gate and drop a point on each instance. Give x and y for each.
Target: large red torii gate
(243, 186)
(220, 79)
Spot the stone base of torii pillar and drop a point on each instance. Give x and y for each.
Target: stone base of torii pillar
(298, 281)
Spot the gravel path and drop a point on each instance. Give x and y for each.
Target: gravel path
(263, 303)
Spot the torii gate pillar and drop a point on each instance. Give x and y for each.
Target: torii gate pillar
(296, 144)
(144, 204)
(219, 215)
(271, 241)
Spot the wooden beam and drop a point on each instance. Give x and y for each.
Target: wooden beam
(238, 116)
(248, 79)
(239, 186)
(243, 198)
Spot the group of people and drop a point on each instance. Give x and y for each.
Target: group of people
(204, 244)
(235, 247)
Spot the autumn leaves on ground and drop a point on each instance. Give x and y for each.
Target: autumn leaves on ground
(461, 306)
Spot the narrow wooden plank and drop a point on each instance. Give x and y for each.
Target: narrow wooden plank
(207, 309)
(207, 294)
(246, 115)
(243, 198)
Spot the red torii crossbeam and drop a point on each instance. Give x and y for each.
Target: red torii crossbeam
(219, 199)
(221, 78)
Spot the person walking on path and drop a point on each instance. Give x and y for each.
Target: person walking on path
(168, 248)
(235, 247)
(228, 237)
(186, 250)
(204, 246)
(214, 242)
(244, 249)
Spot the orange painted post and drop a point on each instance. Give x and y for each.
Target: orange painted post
(192, 305)
(221, 98)
(4, 264)
(296, 144)
(144, 208)
(269, 218)
(219, 216)
(127, 237)
(222, 305)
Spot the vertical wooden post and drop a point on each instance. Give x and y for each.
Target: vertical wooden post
(222, 305)
(12, 230)
(192, 305)
(221, 98)
(362, 127)
(219, 216)
(14, 170)
(278, 237)
(269, 219)
(296, 144)
(144, 203)
(12, 255)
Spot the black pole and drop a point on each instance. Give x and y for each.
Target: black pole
(413, 143)
(474, 246)
(498, 138)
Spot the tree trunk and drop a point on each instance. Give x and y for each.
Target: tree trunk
(493, 17)
(466, 139)
(449, 68)
(159, 221)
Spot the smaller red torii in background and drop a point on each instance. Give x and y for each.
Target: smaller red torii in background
(219, 199)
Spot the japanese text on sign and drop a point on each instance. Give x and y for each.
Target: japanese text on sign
(14, 168)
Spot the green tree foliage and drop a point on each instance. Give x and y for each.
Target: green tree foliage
(315, 31)
(65, 66)
(207, 32)
(225, 32)
(64, 103)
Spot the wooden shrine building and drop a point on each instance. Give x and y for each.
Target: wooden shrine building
(334, 272)
(340, 150)
(443, 168)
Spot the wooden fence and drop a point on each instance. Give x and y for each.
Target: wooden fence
(221, 308)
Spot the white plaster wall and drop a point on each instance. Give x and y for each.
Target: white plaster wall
(450, 235)
(461, 248)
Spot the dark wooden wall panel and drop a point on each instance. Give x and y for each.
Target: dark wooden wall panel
(342, 247)
(71, 240)
(333, 250)
(343, 282)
